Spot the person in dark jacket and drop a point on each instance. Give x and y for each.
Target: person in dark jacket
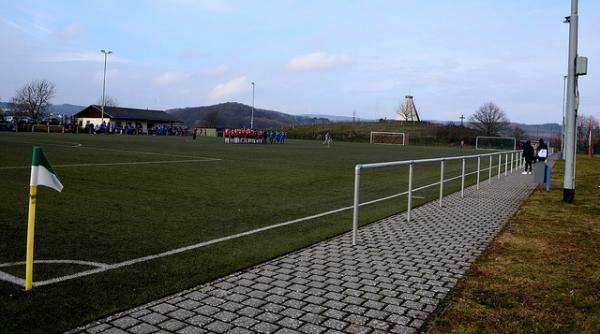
(528, 153)
(542, 150)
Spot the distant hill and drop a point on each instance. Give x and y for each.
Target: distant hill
(65, 109)
(237, 115)
(545, 131)
(56, 109)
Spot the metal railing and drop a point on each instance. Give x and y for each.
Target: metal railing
(512, 158)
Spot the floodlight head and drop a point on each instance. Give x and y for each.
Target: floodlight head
(567, 19)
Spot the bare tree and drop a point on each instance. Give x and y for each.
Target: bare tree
(517, 132)
(109, 101)
(489, 119)
(34, 98)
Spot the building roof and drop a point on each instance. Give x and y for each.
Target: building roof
(95, 111)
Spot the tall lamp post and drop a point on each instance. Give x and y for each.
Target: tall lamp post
(252, 116)
(577, 66)
(106, 53)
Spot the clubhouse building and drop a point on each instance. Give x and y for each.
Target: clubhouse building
(121, 118)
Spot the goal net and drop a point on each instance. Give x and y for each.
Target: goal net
(390, 138)
(495, 143)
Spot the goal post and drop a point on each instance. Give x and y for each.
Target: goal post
(495, 143)
(389, 138)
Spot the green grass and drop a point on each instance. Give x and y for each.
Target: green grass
(542, 274)
(114, 213)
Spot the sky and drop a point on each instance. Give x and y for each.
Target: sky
(334, 57)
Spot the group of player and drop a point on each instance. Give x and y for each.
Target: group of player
(250, 136)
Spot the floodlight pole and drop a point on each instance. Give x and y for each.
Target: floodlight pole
(106, 53)
(252, 117)
(571, 112)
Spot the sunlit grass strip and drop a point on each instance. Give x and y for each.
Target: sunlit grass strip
(542, 272)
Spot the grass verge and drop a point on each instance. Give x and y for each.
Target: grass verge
(542, 273)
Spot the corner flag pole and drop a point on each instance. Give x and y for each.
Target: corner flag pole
(30, 235)
(42, 174)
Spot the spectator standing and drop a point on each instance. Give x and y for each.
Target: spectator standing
(542, 150)
(528, 155)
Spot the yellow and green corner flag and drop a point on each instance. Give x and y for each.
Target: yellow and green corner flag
(42, 174)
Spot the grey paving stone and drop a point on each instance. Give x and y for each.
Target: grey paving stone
(199, 320)
(191, 330)
(268, 317)
(113, 330)
(312, 329)
(239, 330)
(207, 310)
(335, 324)
(287, 331)
(95, 329)
(171, 325)
(225, 316)
(389, 282)
(265, 327)
(143, 329)
(125, 322)
(163, 308)
(153, 318)
(218, 327)
(140, 313)
(181, 314)
(245, 322)
(290, 323)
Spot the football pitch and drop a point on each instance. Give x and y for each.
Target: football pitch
(139, 216)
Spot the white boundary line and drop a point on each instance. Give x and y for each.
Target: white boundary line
(104, 267)
(119, 163)
(79, 145)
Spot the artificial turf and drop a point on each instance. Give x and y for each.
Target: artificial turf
(111, 211)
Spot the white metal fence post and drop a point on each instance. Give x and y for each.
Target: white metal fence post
(478, 167)
(499, 164)
(462, 180)
(356, 200)
(512, 158)
(506, 165)
(441, 181)
(490, 171)
(410, 178)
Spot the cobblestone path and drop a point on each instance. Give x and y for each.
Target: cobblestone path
(388, 283)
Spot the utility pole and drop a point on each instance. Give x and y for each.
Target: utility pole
(577, 66)
(462, 117)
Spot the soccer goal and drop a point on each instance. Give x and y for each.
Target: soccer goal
(389, 138)
(495, 143)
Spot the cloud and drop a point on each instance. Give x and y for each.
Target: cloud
(317, 61)
(229, 89)
(204, 5)
(72, 31)
(84, 56)
(192, 53)
(171, 77)
(219, 70)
